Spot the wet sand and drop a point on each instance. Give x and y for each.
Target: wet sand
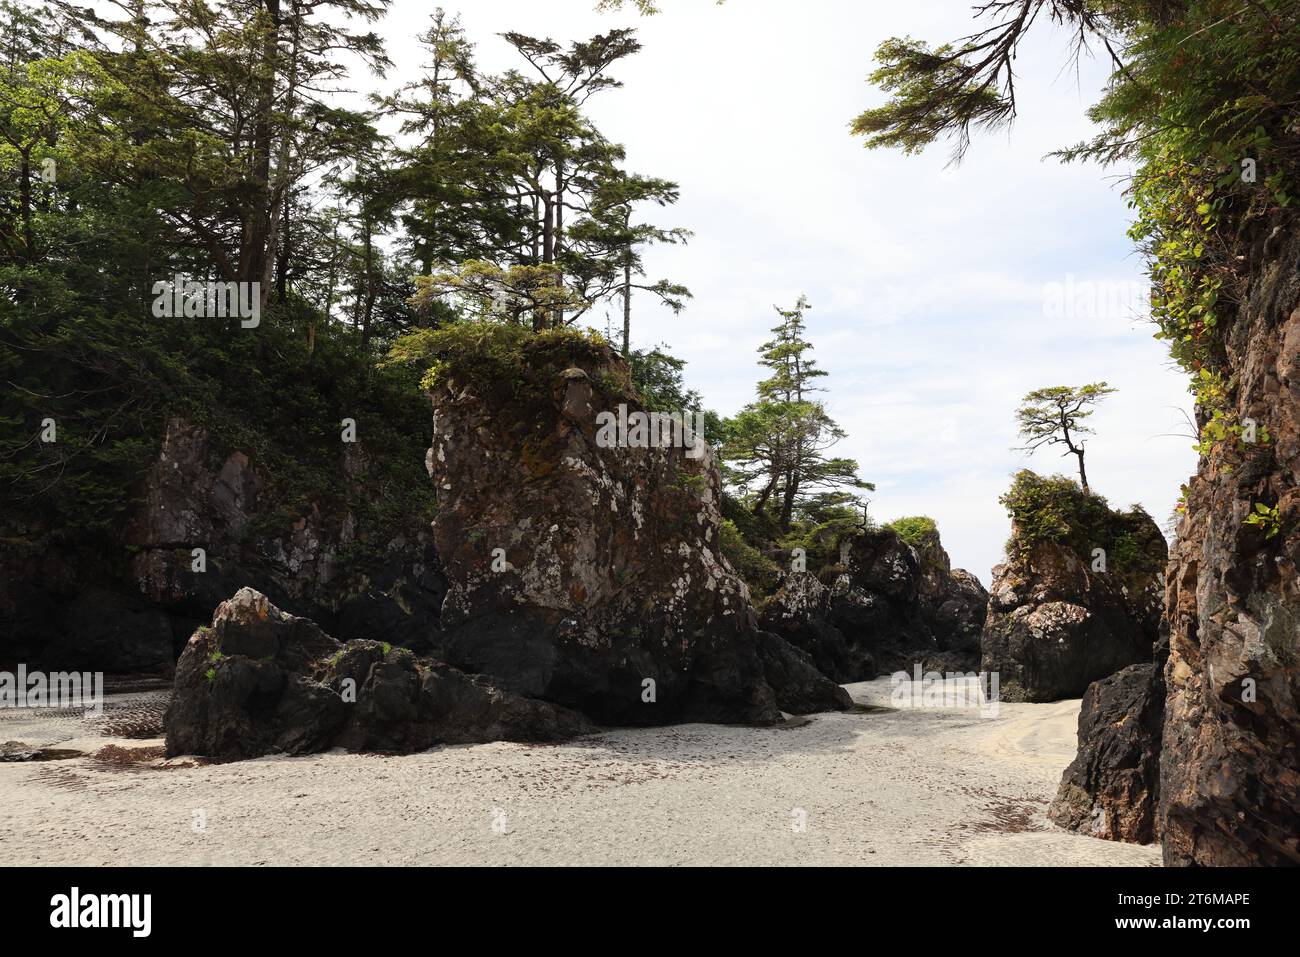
(876, 787)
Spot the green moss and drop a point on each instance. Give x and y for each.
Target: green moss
(1057, 510)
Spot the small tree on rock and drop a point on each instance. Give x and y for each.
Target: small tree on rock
(1054, 416)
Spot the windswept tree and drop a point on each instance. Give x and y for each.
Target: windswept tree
(1055, 416)
(776, 446)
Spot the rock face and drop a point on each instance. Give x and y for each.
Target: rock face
(1111, 790)
(66, 611)
(953, 601)
(588, 572)
(886, 606)
(1230, 762)
(260, 681)
(1054, 626)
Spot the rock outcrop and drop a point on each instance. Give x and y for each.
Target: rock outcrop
(77, 611)
(1112, 788)
(1060, 618)
(584, 569)
(953, 601)
(1230, 760)
(885, 607)
(259, 681)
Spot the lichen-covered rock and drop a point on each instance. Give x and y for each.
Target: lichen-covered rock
(588, 572)
(1112, 788)
(260, 681)
(1230, 761)
(799, 611)
(1055, 626)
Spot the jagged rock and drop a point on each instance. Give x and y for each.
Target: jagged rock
(957, 611)
(1054, 626)
(1111, 790)
(798, 612)
(64, 608)
(588, 575)
(886, 607)
(194, 497)
(1230, 760)
(261, 681)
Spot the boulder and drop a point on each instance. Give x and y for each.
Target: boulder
(587, 571)
(261, 681)
(1111, 789)
(957, 611)
(1054, 626)
(799, 611)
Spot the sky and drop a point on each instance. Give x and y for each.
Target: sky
(941, 294)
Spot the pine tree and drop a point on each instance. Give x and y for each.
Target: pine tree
(777, 444)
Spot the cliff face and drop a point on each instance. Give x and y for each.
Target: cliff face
(1230, 762)
(587, 572)
(885, 607)
(1054, 626)
(68, 608)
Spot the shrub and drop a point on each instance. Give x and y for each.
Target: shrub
(758, 571)
(915, 529)
(1057, 510)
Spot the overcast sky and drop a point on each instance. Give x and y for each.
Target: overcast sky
(932, 287)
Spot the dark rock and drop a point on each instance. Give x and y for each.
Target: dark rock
(799, 613)
(1054, 627)
(957, 611)
(260, 681)
(1230, 757)
(75, 607)
(18, 751)
(589, 575)
(195, 497)
(101, 630)
(800, 687)
(1111, 790)
(883, 608)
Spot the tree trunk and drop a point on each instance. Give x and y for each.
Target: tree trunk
(258, 213)
(627, 306)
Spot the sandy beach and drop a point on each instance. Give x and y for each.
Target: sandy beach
(877, 786)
